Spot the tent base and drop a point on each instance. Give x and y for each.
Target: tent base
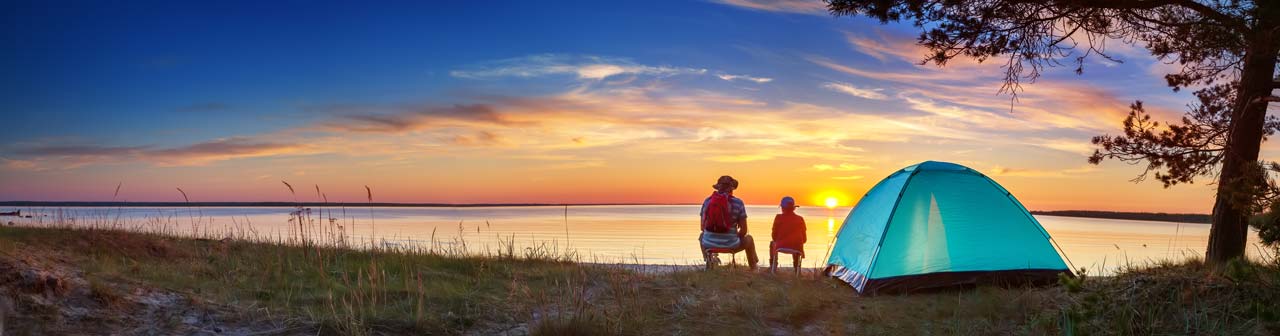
(953, 280)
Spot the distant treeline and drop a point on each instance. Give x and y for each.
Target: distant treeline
(25, 204)
(1147, 216)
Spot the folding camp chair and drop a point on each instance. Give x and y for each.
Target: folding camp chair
(773, 265)
(709, 255)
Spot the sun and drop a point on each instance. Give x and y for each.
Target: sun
(832, 202)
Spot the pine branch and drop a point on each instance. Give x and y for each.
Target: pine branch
(1202, 9)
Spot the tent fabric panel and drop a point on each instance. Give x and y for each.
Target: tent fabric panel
(940, 166)
(860, 234)
(957, 221)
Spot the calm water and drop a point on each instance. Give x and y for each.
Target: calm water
(660, 234)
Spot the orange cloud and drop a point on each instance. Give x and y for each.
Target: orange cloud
(218, 150)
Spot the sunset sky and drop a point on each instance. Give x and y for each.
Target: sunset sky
(577, 102)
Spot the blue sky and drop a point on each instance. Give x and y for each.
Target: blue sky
(458, 97)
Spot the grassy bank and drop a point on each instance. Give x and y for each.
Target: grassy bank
(293, 289)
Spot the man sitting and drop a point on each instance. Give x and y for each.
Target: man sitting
(724, 223)
(788, 235)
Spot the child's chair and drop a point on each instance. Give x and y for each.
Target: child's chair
(796, 257)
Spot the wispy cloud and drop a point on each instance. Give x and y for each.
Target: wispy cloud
(742, 158)
(396, 119)
(840, 167)
(1042, 173)
(16, 164)
(729, 77)
(970, 100)
(479, 139)
(1069, 145)
(582, 67)
(70, 156)
(889, 48)
(81, 150)
(851, 90)
(896, 76)
(811, 7)
(574, 164)
(885, 51)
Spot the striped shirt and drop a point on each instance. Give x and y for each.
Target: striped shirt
(730, 239)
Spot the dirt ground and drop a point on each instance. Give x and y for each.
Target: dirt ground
(41, 295)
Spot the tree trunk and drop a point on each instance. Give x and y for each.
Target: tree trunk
(1231, 210)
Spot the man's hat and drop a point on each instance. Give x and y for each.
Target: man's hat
(726, 181)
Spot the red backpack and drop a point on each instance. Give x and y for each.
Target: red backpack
(718, 215)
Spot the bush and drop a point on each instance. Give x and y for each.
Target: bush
(1268, 225)
(1073, 284)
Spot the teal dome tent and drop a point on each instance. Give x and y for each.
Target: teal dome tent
(939, 224)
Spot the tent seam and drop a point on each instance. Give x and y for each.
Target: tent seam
(875, 258)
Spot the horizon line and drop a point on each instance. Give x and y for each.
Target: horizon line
(425, 205)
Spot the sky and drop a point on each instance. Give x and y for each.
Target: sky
(524, 102)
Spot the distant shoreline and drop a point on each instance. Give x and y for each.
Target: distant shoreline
(1149, 216)
(1146, 216)
(303, 204)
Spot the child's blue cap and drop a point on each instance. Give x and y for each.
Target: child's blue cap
(788, 202)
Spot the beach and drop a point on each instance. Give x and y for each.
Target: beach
(112, 281)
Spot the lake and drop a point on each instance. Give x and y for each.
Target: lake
(645, 234)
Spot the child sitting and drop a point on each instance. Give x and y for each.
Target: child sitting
(788, 235)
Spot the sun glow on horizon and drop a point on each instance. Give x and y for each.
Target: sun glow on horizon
(829, 198)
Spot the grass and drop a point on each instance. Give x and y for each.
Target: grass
(331, 289)
(1180, 298)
